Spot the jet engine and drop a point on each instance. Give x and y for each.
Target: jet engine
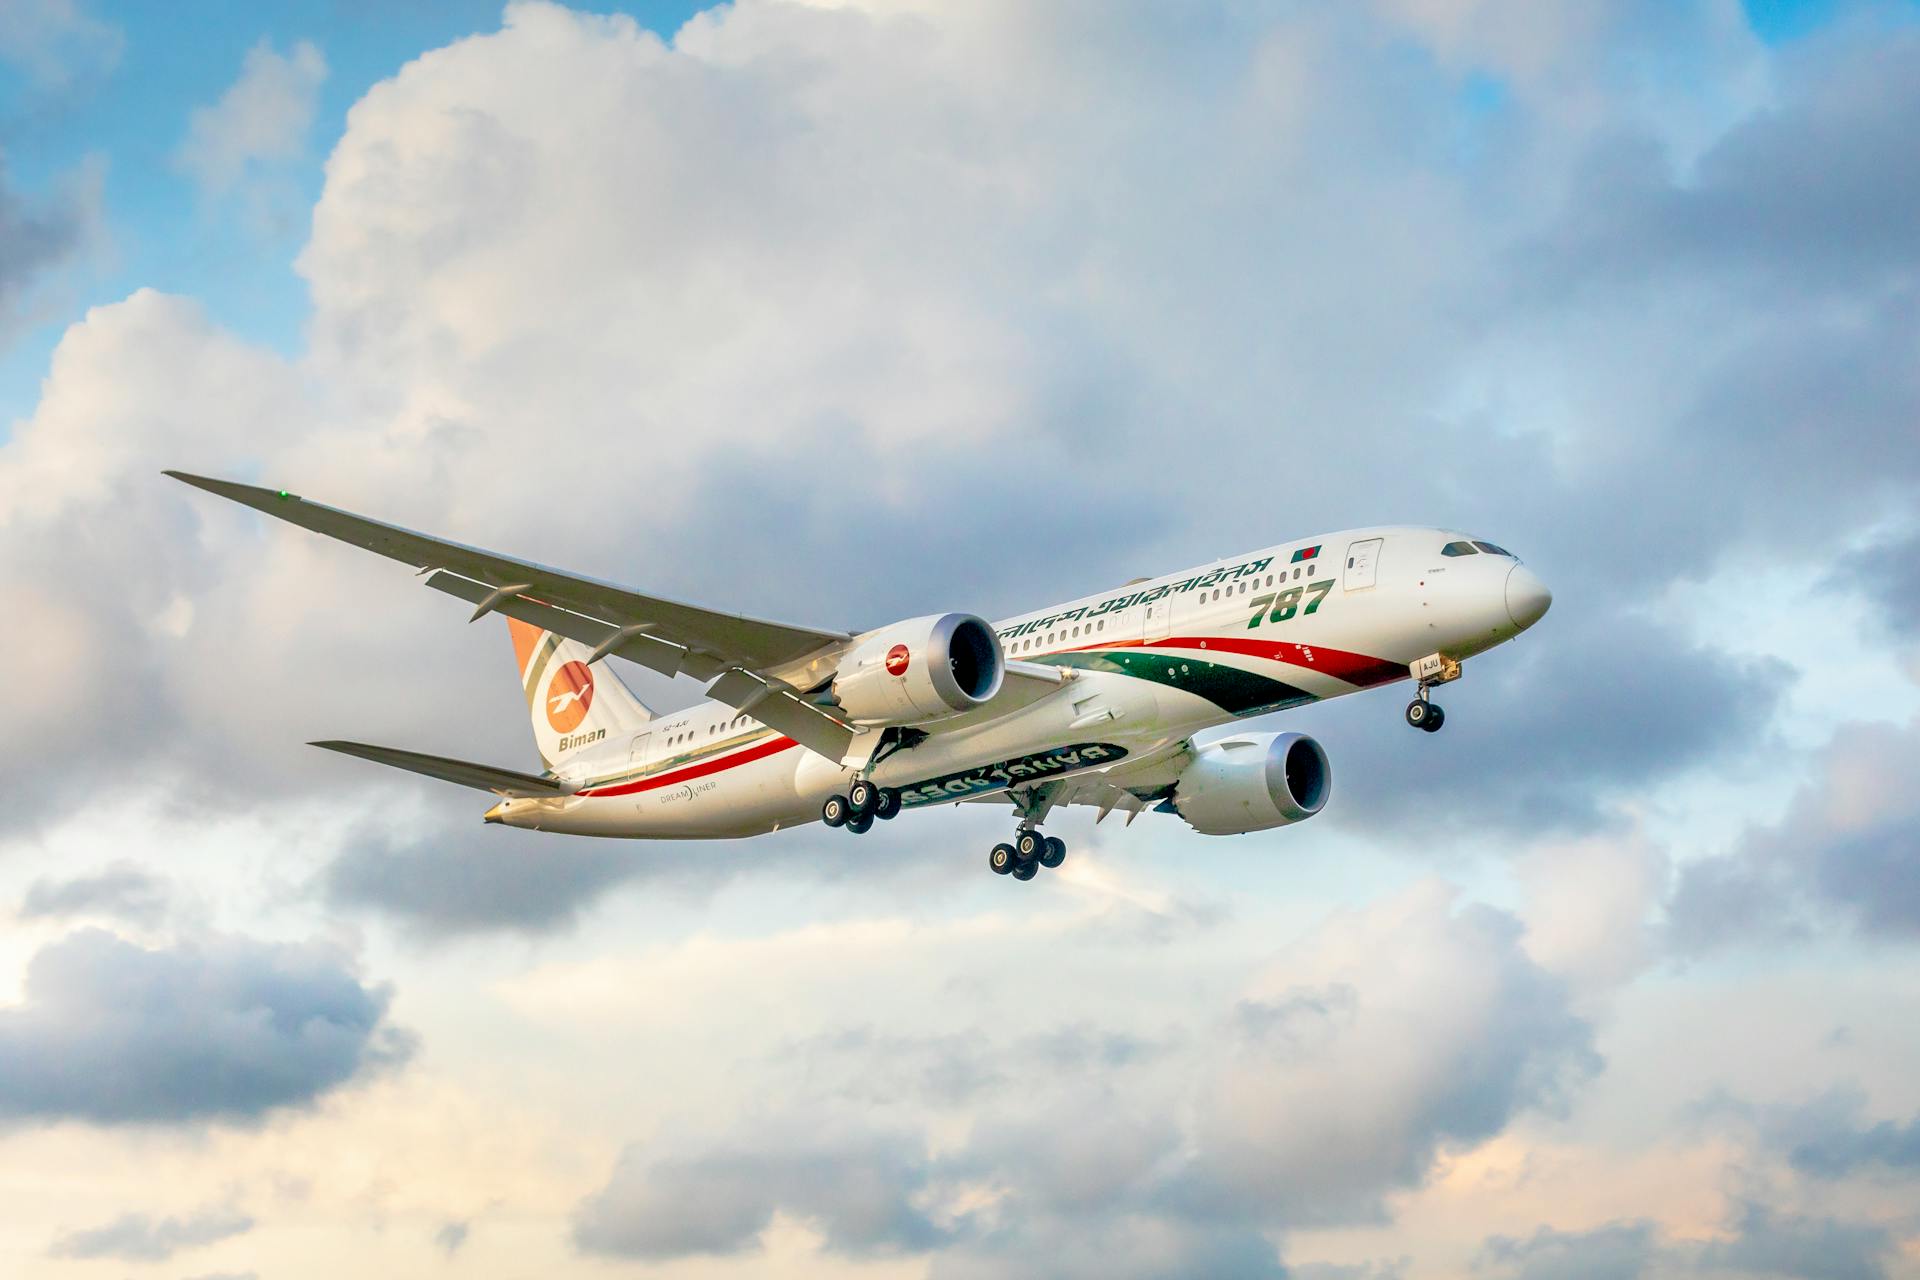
(919, 671)
(1252, 782)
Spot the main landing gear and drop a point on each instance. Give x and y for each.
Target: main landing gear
(863, 804)
(1029, 852)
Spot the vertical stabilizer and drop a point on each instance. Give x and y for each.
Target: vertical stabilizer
(573, 707)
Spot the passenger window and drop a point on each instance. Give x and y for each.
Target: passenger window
(1457, 549)
(1310, 569)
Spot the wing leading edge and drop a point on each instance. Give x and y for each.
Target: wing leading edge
(757, 666)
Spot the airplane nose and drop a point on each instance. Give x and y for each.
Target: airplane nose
(1527, 597)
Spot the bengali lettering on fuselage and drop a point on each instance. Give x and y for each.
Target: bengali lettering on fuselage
(1146, 595)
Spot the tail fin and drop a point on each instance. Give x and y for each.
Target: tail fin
(571, 704)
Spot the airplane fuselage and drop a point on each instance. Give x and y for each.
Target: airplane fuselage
(1139, 670)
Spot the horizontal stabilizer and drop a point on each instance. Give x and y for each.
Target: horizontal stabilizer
(481, 777)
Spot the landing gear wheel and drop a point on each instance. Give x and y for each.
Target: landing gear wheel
(1002, 859)
(1419, 711)
(835, 811)
(888, 805)
(1030, 844)
(1055, 853)
(863, 796)
(1025, 870)
(1436, 716)
(860, 824)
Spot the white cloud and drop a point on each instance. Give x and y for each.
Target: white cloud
(57, 41)
(261, 120)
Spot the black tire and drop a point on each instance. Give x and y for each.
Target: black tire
(835, 811)
(1417, 713)
(888, 807)
(1055, 853)
(1029, 845)
(862, 796)
(1436, 716)
(860, 824)
(1001, 859)
(1025, 870)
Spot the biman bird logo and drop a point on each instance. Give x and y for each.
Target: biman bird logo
(569, 695)
(897, 658)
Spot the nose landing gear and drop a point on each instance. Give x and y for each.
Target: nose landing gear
(1434, 669)
(1422, 714)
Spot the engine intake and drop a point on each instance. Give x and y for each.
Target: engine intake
(920, 670)
(1253, 782)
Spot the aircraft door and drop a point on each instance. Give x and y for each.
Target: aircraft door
(637, 757)
(1363, 563)
(1157, 623)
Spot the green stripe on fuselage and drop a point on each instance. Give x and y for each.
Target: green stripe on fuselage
(1237, 692)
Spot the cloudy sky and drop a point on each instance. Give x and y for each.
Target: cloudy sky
(846, 312)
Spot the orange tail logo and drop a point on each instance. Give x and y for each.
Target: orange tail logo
(569, 695)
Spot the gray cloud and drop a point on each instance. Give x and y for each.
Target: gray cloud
(455, 883)
(122, 891)
(1829, 1137)
(136, 1237)
(35, 236)
(217, 1029)
(452, 1236)
(1758, 1241)
(1888, 574)
(1846, 852)
(858, 1186)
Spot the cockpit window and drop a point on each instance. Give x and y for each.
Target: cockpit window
(1457, 549)
(1492, 550)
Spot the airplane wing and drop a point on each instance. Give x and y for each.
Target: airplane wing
(481, 777)
(766, 664)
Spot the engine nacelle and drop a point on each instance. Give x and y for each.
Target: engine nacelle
(920, 670)
(1252, 782)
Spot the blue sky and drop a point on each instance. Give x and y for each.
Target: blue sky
(838, 313)
(160, 231)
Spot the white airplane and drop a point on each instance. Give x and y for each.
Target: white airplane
(1095, 701)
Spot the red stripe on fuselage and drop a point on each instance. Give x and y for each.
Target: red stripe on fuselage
(692, 771)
